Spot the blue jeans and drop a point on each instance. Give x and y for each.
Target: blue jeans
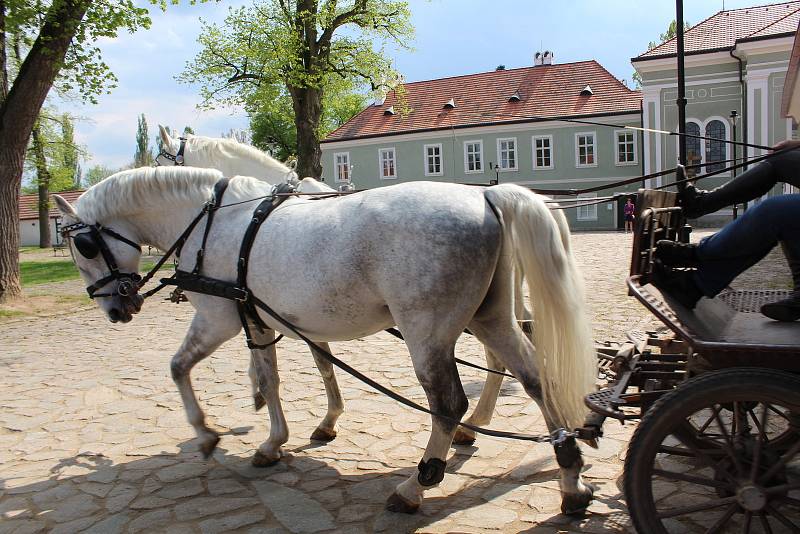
(744, 242)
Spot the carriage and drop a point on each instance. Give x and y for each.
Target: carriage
(717, 447)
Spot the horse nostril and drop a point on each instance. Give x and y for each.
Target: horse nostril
(115, 315)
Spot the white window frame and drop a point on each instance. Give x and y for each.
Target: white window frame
(550, 148)
(500, 158)
(478, 142)
(337, 166)
(590, 213)
(617, 162)
(578, 163)
(441, 159)
(702, 125)
(381, 152)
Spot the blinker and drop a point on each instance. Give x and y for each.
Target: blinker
(86, 245)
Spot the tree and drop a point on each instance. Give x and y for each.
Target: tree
(672, 31)
(272, 119)
(58, 35)
(98, 173)
(53, 155)
(300, 48)
(143, 157)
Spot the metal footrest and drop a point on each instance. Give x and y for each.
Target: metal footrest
(605, 403)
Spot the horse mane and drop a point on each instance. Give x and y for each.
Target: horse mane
(225, 148)
(127, 192)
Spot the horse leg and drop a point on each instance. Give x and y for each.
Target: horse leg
(516, 351)
(326, 430)
(482, 414)
(436, 370)
(264, 363)
(205, 335)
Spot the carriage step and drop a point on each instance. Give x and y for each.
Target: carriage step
(606, 402)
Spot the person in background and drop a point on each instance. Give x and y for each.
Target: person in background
(629, 210)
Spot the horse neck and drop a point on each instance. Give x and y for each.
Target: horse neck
(232, 165)
(160, 224)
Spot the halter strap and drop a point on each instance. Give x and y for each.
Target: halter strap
(177, 157)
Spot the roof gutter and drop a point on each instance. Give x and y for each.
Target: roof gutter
(743, 99)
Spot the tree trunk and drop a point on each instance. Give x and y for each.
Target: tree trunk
(3, 56)
(307, 104)
(18, 114)
(43, 178)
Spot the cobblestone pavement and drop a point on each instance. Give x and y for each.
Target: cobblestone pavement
(93, 436)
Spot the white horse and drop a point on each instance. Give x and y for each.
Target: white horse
(431, 258)
(238, 159)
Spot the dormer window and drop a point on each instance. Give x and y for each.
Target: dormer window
(515, 97)
(450, 104)
(587, 91)
(389, 111)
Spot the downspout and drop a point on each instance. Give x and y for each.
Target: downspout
(743, 99)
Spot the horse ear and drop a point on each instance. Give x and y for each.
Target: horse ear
(65, 207)
(165, 138)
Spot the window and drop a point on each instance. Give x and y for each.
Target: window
(543, 152)
(507, 153)
(710, 152)
(433, 160)
(585, 150)
(715, 150)
(386, 163)
(587, 213)
(342, 166)
(473, 156)
(625, 149)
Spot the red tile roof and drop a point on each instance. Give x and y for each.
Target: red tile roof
(28, 204)
(545, 91)
(722, 30)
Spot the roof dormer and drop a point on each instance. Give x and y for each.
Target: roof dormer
(515, 97)
(587, 91)
(389, 111)
(450, 104)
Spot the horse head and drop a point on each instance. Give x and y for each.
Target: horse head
(107, 262)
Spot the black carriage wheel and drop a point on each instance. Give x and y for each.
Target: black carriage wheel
(720, 453)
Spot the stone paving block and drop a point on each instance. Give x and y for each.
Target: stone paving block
(294, 509)
(205, 506)
(232, 522)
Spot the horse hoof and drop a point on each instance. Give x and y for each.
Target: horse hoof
(258, 401)
(396, 503)
(463, 438)
(262, 460)
(321, 434)
(207, 448)
(576, 503)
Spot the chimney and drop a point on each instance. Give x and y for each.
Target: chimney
(537, 59)
(500, 67)
(547, 57)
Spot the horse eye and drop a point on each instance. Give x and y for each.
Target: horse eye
(86, 246)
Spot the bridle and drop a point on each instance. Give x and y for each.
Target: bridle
(90, 244)
(177, 157)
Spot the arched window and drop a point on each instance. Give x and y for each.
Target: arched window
(715, 150)
(693, 154)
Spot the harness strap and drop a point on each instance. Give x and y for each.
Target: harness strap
(245, 306)
(219, 191)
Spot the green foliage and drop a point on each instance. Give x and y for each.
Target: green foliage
(672, 31)
(62, 154)
(263, 54)
(42, 272)
(143, 157)
(97, 173)
(272, 118)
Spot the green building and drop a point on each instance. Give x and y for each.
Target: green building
(736, 63)
(501, 125)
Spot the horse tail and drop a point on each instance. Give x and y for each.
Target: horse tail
(561, 334)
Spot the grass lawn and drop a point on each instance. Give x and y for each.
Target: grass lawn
(43, 272)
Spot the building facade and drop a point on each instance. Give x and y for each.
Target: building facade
(29, 218)
(505, 126)
(735, 63)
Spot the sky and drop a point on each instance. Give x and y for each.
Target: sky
(453, 37)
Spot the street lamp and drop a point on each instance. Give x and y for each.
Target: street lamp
(496, 174)
(734, 116)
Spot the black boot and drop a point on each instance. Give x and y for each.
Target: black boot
(675, 254)
(749, 185)
(679, 285)
(787, 309)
